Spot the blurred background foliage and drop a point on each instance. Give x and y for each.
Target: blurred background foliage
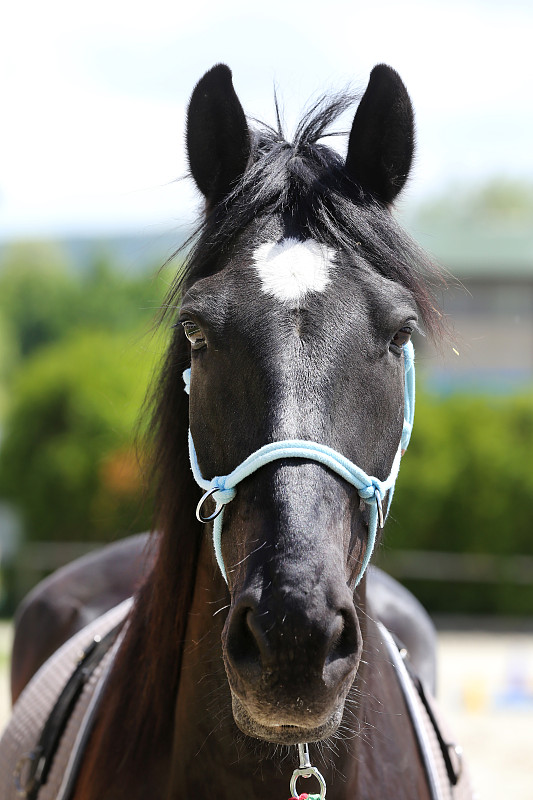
(466, 486)
(77, 351)
(69, 461)
(501, 201)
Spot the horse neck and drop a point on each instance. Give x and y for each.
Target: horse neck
(371, 757)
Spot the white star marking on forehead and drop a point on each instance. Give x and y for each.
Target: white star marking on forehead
(291, 268)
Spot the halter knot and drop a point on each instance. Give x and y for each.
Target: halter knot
(223, 495)
(371, 492)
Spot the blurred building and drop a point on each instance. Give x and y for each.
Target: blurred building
(488, 304)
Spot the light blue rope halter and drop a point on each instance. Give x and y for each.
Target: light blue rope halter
(370, 489)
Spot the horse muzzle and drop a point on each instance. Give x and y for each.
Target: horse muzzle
(287, 734)
(291, 659)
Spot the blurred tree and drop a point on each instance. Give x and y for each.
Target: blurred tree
(45, 300)
(115, 301)
(501, 200)
(68, 460)
(466, 475)
(8, 358)
(38, 295)
(466, 486)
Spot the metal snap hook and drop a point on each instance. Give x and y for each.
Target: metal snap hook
(306, 770)
(215, 513)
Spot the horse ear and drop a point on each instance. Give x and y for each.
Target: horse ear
(381, 146)
(218, 140)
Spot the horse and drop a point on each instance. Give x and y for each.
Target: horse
(288, 388)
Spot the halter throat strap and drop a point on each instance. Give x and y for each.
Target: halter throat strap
(372, 490)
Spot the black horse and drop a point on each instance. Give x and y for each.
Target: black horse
(295, 308)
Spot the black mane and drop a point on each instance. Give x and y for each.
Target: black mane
(306, 183)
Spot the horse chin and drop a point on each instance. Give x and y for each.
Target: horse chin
(285, 733)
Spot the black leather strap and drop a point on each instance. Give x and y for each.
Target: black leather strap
(447, 748)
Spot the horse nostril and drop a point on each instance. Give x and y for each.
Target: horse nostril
(258, 635)
(344, 638)
(245, 640)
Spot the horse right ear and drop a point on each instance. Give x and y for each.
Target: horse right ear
(218, 140)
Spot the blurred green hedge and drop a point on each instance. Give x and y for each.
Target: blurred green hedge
(466, 482)
(68, 460)
(466, 485)
(75, 362)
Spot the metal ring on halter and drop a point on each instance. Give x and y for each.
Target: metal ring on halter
(308, 772)
(217, 510)
(377, 495)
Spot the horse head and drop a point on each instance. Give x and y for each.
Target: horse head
(298, 303)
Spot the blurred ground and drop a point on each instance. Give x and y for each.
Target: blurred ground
(486, 691)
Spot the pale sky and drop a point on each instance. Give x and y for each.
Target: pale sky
(93, 96)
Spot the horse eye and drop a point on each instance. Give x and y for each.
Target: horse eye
(194, 334)
(402, 336)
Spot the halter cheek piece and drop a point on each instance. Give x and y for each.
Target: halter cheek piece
(370, 489)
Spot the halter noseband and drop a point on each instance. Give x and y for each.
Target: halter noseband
(370, 489)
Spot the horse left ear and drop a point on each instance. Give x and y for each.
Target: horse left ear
(381, 146)
(218, 140)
